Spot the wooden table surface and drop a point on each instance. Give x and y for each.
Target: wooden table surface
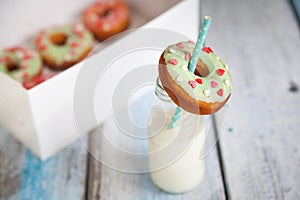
(258, 154)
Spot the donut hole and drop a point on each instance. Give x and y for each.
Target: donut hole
(59, 39)
(11, 66)
(106, 13)
(201, 69)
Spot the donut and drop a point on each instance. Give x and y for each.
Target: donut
(106, 18)
(64, 46)
(21, 64)
(203, 92)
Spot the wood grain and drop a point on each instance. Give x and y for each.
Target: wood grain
(107, 183)
(260, 42)
(24, 176)
(11, 165)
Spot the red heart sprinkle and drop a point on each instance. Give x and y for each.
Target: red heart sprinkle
(220, 92)
(173, 61)
(7, 59)
(214, 84)
(207, 49)
(192, 84)
(42, 47)
(199, 80)
(27, 57)
(25, 75)
(75, 44)
(220, 72)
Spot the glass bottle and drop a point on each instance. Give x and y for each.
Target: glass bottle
(174, 152)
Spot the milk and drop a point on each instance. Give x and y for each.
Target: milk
(174, 154)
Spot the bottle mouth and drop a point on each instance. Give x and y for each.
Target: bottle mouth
(160, 91)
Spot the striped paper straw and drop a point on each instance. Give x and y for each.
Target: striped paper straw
(193, 63)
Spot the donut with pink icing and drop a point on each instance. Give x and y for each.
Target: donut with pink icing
(203, 92)
(106, 18)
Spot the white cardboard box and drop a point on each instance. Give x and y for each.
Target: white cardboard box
(42, 118)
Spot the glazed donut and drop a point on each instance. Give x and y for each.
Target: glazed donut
(21, 64)
(64, 46)
(203, 92)
(106, 19)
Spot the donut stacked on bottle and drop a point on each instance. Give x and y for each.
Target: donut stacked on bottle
(203, 92)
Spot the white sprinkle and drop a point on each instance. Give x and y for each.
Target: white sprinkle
(106, 27)
(205, 28)
(172, 50)
(203, 37)
(218, 58)
(226, 66)
(67, 58)
(94, 18)
(206, 93)
(179, 79)
(19, 54)
(227, 83)
(79, 27)
(185, 67)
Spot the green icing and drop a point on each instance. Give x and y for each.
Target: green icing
(62, 53)
(33, 64)
(182, 76)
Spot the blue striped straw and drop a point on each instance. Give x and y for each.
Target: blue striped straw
(193, 63)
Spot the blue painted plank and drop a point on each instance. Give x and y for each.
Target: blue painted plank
(24, 176)
(60, 177)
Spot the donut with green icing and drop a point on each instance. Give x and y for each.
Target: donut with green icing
(203, 92)
(64, 46)
(21, 64)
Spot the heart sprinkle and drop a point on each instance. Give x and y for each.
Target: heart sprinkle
(207, 49)
(192, 84)
(220, 72)
(173, 61)
(187, 56)
(199, 80)
(185, 67)
(171, 50)
(227, 82)
(214, 84)
(180, 45)
(24, 65)
(206, 93)
(220, 92)
(179, 79)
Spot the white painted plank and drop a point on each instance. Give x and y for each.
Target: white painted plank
(260, 42)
